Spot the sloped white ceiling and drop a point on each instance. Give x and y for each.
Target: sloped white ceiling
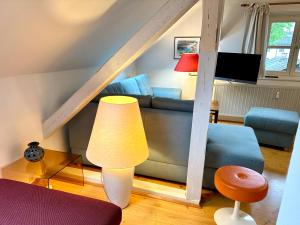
(52, 35)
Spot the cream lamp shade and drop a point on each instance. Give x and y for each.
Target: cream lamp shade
(118, 138)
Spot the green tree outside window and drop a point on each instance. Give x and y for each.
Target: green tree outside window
(281, 30)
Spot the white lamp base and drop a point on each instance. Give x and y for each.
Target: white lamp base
(118, 185)
(233, 216)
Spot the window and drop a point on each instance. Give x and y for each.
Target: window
(282, 58)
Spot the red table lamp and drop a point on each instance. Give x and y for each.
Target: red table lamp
(188, 63)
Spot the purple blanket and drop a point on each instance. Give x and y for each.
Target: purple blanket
(25, 204)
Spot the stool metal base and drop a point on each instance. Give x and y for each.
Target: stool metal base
(225, 216)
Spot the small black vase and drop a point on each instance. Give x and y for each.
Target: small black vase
(34, 152)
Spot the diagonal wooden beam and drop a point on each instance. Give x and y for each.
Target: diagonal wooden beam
(210, 33)
(166, 16)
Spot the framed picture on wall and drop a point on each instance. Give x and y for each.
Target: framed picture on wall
(186, 45)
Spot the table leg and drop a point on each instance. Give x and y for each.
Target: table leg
(216, 117)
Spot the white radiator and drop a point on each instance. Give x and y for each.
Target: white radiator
(235, 100)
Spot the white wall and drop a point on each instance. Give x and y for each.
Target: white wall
(26, 101)
(158, 61)
(233, 27)
(290, 204)
(54, 35)
(128, 72)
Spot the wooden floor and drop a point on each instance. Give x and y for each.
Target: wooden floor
(150, 211)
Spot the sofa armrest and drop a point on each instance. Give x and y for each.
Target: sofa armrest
(174, 93)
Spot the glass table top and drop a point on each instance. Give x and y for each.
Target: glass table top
(52, 164)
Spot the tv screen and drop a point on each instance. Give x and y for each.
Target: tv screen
(237, 67)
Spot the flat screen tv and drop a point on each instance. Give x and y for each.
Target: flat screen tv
(238, 67)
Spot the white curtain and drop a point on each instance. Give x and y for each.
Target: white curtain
(256, 32)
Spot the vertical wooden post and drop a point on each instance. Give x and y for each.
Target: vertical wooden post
(211, 22)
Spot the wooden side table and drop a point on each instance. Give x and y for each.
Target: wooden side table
(214, 111)
(56, 165)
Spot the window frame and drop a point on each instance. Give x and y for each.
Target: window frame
(293, 72)
(290, 73)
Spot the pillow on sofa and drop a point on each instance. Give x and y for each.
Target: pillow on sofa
(173, 104)
(162, 92)
(144, 85)
(130, 86)
(114, 88)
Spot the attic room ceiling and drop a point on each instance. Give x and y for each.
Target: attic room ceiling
(53, 35)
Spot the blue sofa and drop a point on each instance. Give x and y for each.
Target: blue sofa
(272, 126)
(167, 124)
(140, 85)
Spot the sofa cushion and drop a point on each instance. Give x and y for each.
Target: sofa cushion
(145, 101)
(144, 84)
(162, 92)
(233, 145)
(130, 86)
(173, 104)
(113, 88)
(271, 119)
(279, 139)
(162, 170)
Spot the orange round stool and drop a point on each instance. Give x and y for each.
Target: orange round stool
(242, 185)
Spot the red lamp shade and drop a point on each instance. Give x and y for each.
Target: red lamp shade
(188, 63)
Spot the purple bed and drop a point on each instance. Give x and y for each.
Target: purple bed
(25, 204)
